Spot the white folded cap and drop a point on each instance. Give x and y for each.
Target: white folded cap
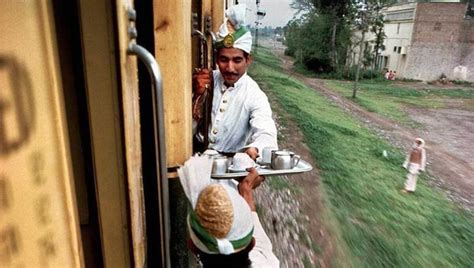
(233, 33)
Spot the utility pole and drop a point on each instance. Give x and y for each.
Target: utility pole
(363, 27)
(260, 15)
(256, 36)
(361, 52)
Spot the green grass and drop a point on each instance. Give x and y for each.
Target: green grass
(306, 262)
(389, 100)
(380, 226)
(268, 59)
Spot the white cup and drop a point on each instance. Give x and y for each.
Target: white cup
(242, 161)
(267, 154)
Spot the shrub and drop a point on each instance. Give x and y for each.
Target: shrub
(290, 51)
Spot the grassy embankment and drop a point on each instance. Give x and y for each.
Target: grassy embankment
(389, 100)
(379, 226)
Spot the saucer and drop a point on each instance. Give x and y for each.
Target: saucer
(233, 170)
(260, 162)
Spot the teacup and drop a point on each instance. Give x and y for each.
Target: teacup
(219, 165)
(267, 155)
(242, 161)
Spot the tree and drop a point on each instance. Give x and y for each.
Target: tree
(309, 41)
(378, 29)
(368, 14)
(336, 11)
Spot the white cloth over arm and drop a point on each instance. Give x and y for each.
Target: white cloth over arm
(262, 254)
(423, 159)
(194, 176)
(407, 159)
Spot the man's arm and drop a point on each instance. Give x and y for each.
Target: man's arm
(262, 254)
(246, 186)
(264, 133)
(201, 83)
(423, 159)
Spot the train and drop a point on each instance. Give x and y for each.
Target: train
(95, 119)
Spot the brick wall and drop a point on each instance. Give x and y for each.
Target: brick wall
(428, 61)
(439, 22)
(442, 39)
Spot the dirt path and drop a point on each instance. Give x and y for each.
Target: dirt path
(452, 169)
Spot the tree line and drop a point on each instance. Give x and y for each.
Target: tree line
(322, 36)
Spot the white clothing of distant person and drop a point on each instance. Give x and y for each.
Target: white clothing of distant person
(414, 163)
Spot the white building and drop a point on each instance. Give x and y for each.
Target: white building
(425, 40)
(398, 30)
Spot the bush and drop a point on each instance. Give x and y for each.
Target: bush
(309, 38)
(461, 82)
(351, 74)
(317, 65)
(290, 51)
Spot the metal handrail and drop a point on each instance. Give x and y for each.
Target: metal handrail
(208, 101)
(204, 48)
(213, 36)
(159, 136)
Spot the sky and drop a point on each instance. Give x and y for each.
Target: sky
(279, 12)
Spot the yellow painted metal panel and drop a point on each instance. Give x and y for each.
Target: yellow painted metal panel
(173, 52)
(39, 221)
(217, 14)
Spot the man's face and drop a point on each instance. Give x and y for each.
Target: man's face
(232, 63)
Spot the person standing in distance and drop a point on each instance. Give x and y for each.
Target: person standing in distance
(414, 163)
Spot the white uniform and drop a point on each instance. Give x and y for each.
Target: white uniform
(241, 117)
(262, 255)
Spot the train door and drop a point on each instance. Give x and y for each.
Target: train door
(71, 192)
(131, 204)
(83, 170)
(112, 131)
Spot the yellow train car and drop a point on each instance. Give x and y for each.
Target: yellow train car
(95, 117)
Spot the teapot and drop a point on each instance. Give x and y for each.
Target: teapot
(284, 160)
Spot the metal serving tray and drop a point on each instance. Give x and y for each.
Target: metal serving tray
(302, 166)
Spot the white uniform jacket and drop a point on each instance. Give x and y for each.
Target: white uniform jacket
(262, 255)
(241, 117)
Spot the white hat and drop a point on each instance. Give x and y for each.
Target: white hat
(422, 142)
(233, 32)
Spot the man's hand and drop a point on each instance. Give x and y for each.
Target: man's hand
(202, 81)
(253, 179)
(252, 152)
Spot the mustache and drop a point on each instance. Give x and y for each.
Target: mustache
(230, 73)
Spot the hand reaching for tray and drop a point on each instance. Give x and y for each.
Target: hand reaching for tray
(247, 184)
(253, 179)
